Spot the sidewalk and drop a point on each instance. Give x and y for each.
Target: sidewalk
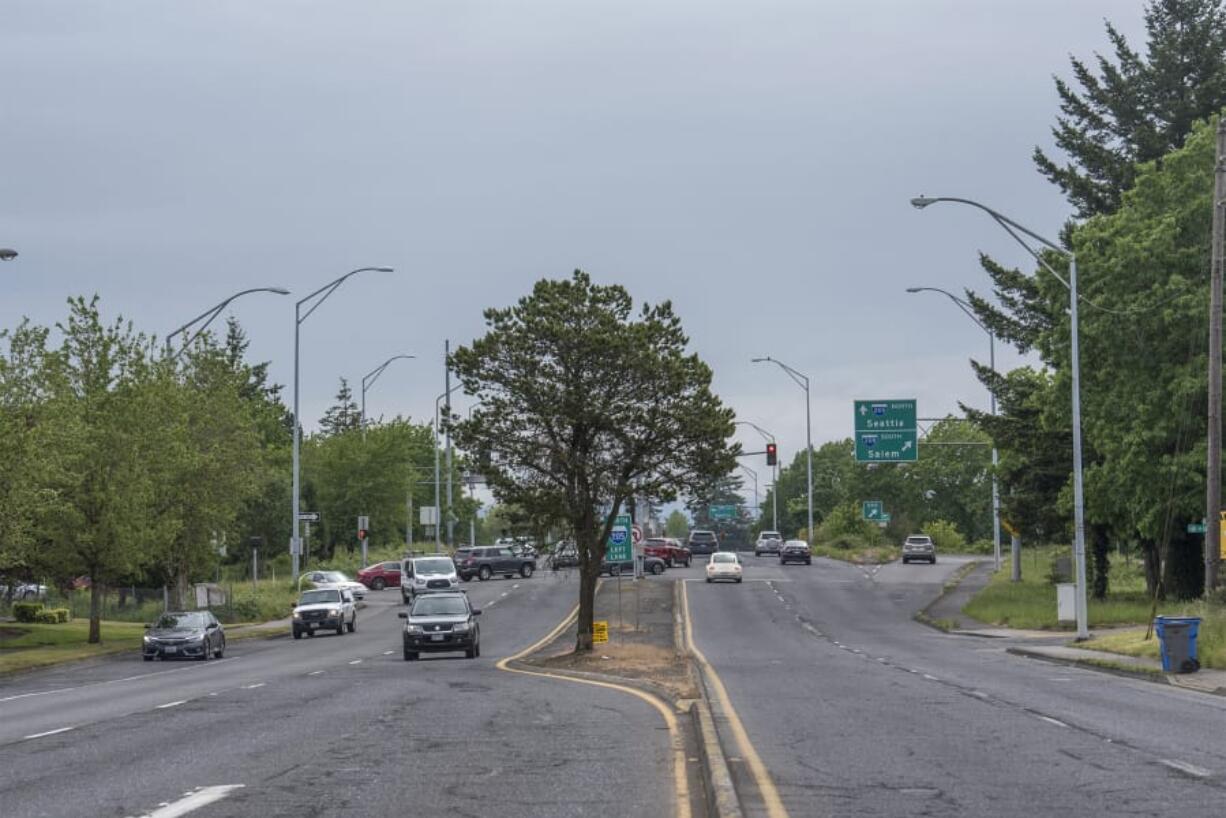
(1205, 681)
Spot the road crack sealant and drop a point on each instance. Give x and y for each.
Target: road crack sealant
(1200, 774)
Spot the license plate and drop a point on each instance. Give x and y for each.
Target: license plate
(169, 649)
(437, 637)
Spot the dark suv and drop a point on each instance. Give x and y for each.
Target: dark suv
(488, 560)
(442, 621)
(703, 542)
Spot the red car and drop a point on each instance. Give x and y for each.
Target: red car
(380, 575)
(666, 548)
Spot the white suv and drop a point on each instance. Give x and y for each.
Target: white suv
(769, 542)
(427, 575)
(919, 547)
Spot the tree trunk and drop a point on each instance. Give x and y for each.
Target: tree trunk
(95, 610)
(1100, 544)
(1153, 566)
(589, 576)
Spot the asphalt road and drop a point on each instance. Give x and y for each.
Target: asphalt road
(856, 710)
(336, 725)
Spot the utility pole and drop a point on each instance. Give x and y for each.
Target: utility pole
(447, 385)
(1213, 473)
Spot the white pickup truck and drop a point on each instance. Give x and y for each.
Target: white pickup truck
(324, 609)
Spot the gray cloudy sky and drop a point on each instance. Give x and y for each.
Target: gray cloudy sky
(751, 161)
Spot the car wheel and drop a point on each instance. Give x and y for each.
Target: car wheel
(208, 650)
(708, 579)
(485, 573)
(147, 658)
(471, 653)
(297, 633)
(221, 651)
(340, 627)
(477, 646)
(738, 580)
(657, 568)
(378, 584)
(688, 560)
(353, 623)
(410, 655)
(525, 570)
(808, 562)
(311, 634)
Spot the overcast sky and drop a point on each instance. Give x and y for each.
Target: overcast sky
(750, 161)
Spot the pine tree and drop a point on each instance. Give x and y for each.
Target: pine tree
(1137, 108)
(343, 416)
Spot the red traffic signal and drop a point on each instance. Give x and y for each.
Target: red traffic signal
(772, 454)
(361, 533)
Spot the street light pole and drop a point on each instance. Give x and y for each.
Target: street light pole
(756, 502)
(966, 308)
(368, 380)
(775, 471)
(803, 382)
(438, 517)
(1079, 530)
(210, 314)
(320, 296)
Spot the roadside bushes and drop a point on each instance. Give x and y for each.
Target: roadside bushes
(945, 536)
(35, 613)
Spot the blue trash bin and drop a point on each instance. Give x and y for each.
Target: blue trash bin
(1177, 643)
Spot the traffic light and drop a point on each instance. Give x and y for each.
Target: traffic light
(772, 454)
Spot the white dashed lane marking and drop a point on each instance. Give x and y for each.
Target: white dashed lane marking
(49, 732)
(171, 704)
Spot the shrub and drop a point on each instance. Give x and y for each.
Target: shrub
(62, 615)
(27, 611)
(846, 521)
(945, 536)
(49, 616)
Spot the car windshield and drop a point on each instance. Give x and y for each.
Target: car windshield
(434, 565)
(702, 535)
(723, 557)
(321, 597)
(771, 535)
(918, 540)
(440, 606)
(334, 576)
(180, 620)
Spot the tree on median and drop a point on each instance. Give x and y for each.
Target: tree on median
(583, 407)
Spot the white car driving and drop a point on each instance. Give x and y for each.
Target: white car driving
(427, 575)
(724, 565)
(336, 579)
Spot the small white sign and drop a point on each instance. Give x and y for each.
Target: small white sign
(429, 515)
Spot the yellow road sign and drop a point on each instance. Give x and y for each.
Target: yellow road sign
(1222, 536)
(600, 632)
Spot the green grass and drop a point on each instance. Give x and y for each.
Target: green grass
(1210, 642)
(860, 555)
(24, 647)
(1031, 603)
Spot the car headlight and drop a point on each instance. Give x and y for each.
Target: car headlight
(195, 639)
(148, 640)
(419, 581)
(413, 628)
(460, 627)
(297, 614)
(334, 612)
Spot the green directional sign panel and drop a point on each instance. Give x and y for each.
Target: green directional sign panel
(885, 415)
(618, 548)
(886, 447)
(872, 510)
(887, 431)
(723, 512)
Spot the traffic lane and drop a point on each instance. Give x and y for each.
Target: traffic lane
(132, 685)
(843, 734)
(875, 618)
(382, 736)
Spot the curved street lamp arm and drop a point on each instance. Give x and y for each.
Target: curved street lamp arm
(330, 288)
(212, 313)
(765, 434)
(920, 202)
(801, 380)
(962, 305)
(368, 380)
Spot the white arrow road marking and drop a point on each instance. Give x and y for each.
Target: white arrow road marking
(193, 801)
(253, 686)
(50, 732)
(356, 662)
(1056, 722)
(171, 704)
(316, 672)
(1186, 768)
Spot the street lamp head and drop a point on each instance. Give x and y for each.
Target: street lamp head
(914, 289)
(278, 290)
(920, 202)
(383, 269)
(759, 360)
(7, 254)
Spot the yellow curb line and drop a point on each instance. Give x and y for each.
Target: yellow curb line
(680, 778)
(766, 785)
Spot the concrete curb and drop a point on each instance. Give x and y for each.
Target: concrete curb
(721, 796)
(948, 587)
(1156, 678)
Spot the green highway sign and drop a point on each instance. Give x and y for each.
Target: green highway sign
(872, 510)
(723, 512)
(885, 415)
(886, 447)
(1196, 528)
(618, 548)
(887, 431)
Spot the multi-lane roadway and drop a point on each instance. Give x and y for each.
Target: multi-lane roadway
(830, 701)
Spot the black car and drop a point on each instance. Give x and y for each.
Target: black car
(184, 634)
(702, 542)
(795, 551)
(486, 561)
(651, 565)
(441, 622)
